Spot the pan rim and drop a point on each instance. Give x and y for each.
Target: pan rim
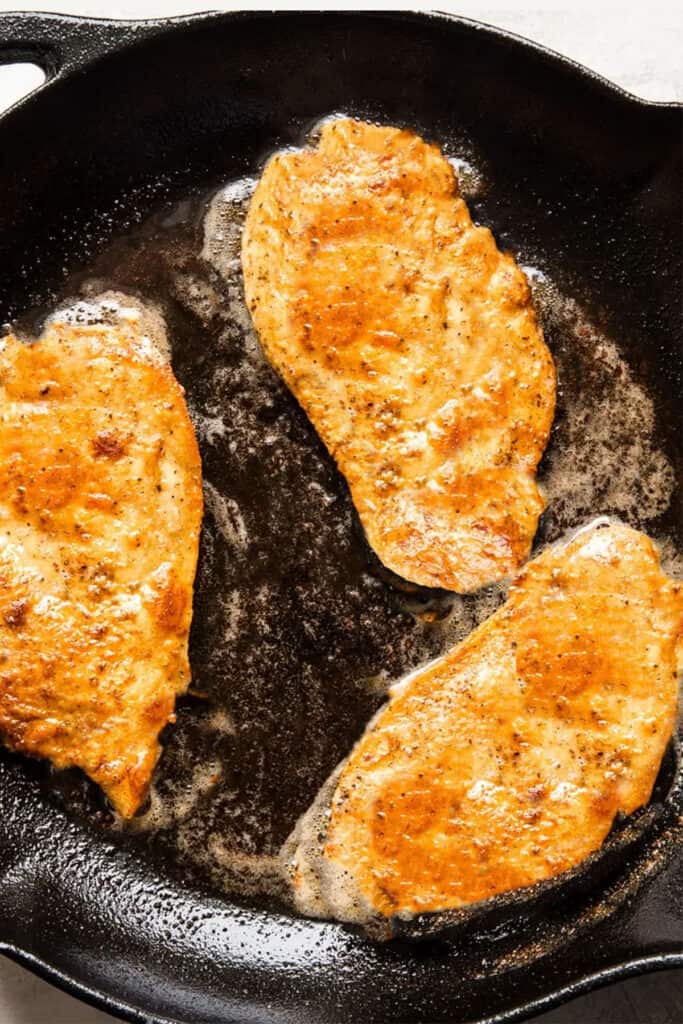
(143, 29)
(631, 968)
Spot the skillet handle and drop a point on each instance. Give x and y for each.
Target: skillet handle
(60, 44)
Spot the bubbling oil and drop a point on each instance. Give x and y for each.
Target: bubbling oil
(140, 320)
(604, 455)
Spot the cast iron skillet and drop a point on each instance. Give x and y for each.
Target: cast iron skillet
(584, 180)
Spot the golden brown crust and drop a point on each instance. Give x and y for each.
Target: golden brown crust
(505, 762)
(100, 511)
(411, 342)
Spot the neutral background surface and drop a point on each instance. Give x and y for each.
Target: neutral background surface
(638, 48)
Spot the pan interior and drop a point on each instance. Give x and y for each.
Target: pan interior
(298, 630)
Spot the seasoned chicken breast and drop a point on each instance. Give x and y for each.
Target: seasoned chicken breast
(100, 510)
(506, 761)
(411, 342)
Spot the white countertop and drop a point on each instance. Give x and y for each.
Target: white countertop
(638, 48)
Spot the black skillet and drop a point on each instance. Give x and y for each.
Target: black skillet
(106, 171)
